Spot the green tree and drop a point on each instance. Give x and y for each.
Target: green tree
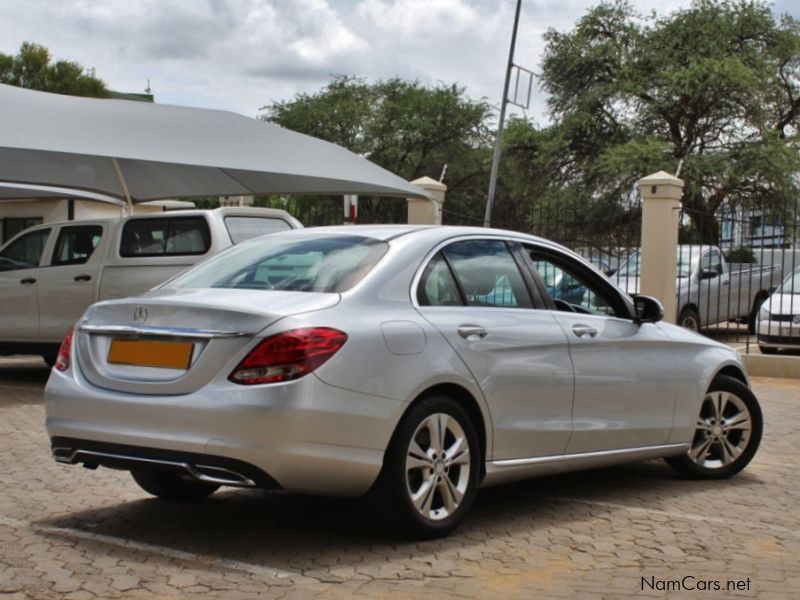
(714, 88)
(407, 128)
(34, 68)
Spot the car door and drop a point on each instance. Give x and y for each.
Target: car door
(19, 281)
(68, 285)
(624, 371)
(474, 293)
(714, 288)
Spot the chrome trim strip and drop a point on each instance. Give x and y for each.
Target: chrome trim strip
(520, 462)
(239, 479)
(180, 332)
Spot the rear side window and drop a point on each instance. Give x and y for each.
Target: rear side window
(25, 252)
(488, 274)
(244, 228)
(171, 236)
(437, 286)
(75, 245)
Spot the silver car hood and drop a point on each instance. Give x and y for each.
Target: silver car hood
(783, 304)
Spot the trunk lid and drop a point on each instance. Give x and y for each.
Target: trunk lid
(174, 341)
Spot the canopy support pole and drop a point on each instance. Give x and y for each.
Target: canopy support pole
(124, 185)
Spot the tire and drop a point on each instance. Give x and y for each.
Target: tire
(752, 320)
(171, 486)
(728, 432)
(690, 319)
(426, 488)
(768, 350)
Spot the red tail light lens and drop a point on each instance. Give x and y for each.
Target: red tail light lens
(65, 352)
(288, 355)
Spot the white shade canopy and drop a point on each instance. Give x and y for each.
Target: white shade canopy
(142, 151)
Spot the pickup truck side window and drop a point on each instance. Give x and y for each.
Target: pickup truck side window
(487, 274)
(244, 228)
(76, 244)
(170, 236)
(712, 262)
(25, 252)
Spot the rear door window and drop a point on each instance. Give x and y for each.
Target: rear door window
(25, 252)
(76, 244)
(244, 228)
(170, 236)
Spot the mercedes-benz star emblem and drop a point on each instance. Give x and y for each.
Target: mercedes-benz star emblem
(140, 314)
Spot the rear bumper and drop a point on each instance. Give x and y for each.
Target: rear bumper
(302, 436)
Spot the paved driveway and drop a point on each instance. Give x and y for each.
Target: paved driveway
(69, 532)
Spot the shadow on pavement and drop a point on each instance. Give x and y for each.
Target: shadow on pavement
(23, 371)
(293, 532)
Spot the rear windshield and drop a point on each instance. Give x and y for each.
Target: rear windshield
(171, 236)
(332, 263)
(242, 229)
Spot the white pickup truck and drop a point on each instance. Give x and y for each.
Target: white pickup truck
(50, 274)
(710, 290)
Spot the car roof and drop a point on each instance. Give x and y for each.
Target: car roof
(389, 232)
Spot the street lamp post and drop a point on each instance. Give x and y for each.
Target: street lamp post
(498, 147)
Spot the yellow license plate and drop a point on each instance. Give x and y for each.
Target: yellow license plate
(142, 353)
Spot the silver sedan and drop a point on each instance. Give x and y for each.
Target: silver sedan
(414, 364)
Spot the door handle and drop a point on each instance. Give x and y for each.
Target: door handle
(472, 331)
(582, 330)
(27, 281)
(83, 277)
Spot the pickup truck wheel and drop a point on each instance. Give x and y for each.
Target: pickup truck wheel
(689, 319)
(171, 486)
(430, 472)
(752, 320)
(728, 431)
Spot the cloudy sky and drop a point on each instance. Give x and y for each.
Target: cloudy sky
(243, 54)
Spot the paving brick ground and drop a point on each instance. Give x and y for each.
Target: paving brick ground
(66, 532)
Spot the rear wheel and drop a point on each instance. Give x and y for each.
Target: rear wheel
(752, 320)
(431, 470)
(728, 431)
(171, 486)
(690, 319)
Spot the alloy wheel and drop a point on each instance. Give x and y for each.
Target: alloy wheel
(723, 431)
(438, 466)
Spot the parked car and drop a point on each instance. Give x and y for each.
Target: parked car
(709, 289)
(370, 359)
(779, 317)
(51, 273)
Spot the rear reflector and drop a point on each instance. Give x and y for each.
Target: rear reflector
(288, 355)
(65, 352)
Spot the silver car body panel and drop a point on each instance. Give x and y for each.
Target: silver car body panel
(635, 391)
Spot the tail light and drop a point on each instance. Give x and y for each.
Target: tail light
(288, 355)
(65, 352)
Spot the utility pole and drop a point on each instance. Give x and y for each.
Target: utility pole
(498, 147)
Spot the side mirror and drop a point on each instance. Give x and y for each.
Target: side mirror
(648, 310)
(708, 274)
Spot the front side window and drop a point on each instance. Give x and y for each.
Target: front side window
(171, 236)
(487, 274)
(75, 245)
(25, 252)
(571, 290)
(242, 229)
(308, 263)
(712, 262)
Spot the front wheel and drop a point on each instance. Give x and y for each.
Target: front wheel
(690, 319)
(728, 431)
(171, 486)
(431, 470)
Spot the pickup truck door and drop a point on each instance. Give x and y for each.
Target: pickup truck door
(68, 284)
(625, 374)
(714, 288)
(19, 279)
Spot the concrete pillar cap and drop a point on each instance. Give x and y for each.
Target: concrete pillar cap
(661, 178)
(427, 183)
